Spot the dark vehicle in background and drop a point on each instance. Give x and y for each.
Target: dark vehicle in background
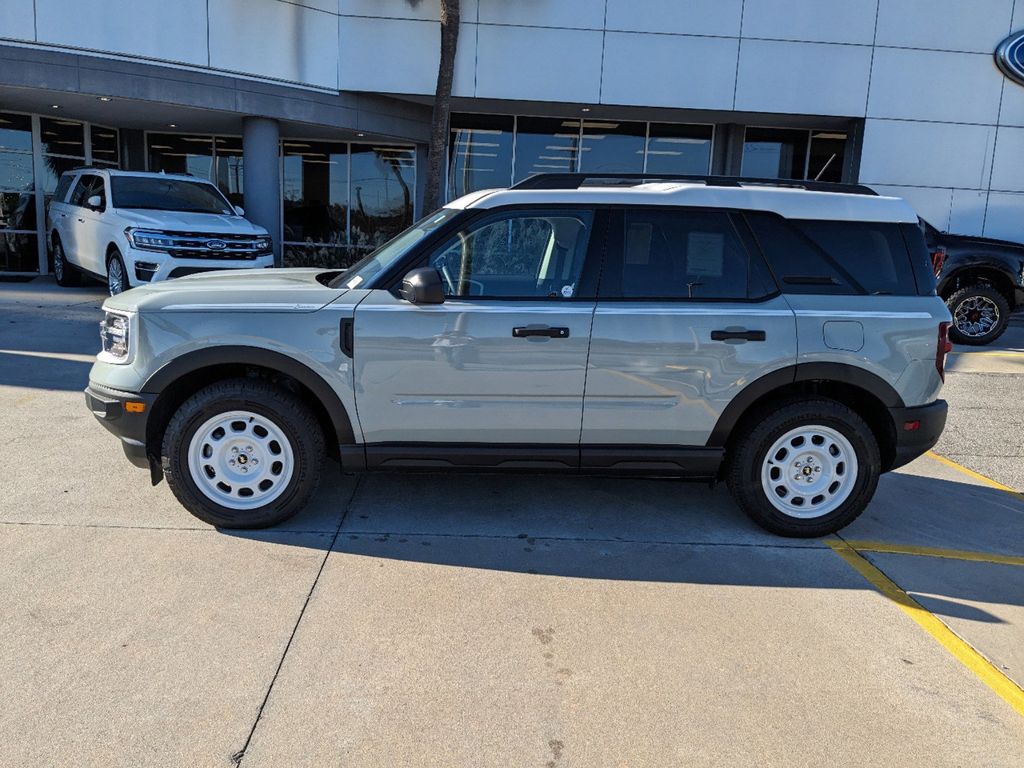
(981, 281)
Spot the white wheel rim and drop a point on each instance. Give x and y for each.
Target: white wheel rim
(115, 277)
(241, 460)
(809, 471)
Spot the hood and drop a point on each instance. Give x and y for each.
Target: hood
(232, 290)
(183, 221)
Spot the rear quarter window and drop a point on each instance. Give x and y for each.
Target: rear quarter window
(63, 185)
(836, 257)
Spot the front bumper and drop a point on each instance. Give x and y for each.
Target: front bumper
(913, 441)
(166, 266)
(109, 408)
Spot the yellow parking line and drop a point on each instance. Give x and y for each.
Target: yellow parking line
(971, 473)
(883, 547)
(988, 354)
(1003, 686)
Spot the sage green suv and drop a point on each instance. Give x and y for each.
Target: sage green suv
(785, 339)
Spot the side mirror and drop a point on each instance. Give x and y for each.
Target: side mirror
(423, 286)
(240, 210)
(95, 202)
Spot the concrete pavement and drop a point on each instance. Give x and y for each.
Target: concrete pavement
(485, 620)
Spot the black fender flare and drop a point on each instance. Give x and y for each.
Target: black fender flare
(264, 358)
(839, 372)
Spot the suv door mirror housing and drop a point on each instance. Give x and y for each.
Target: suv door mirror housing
(422, 286)
(95, 202)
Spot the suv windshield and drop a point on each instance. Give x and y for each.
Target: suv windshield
(167, 195)
(359, 273)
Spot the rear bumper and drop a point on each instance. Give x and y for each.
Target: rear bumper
(911, 442)
(108, 406)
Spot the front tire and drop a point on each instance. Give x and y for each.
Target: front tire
(804, 468)
(117, 277)
(243, 454)
(980, 315)
(65, 274)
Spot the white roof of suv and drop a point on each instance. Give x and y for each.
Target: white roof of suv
(146, 174)
(787, 201)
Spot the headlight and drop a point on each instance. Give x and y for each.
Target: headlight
(264, 245)
(115, 337)
(149, 240)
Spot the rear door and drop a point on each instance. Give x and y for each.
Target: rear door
(687, 316)
(495, 371)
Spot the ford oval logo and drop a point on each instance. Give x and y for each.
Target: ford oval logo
(1010, 57)
(216, 245)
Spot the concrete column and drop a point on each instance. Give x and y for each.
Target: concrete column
(261, 175)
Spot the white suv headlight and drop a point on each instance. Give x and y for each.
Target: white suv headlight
(115, 337)
(149, 240)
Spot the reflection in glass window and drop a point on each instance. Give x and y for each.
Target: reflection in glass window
(679, 148)
(53, 167)
(15, 132)
(17, 210)
(828, 154)
(383, 184)
(227, 160)
(612, 147)
(775, 153)
(104, 146)
(545, 145)
(521, 255)
(173, 153)
(18, 252)
(480, 154)
(16, 170)
(322, 256)
(315, 179)
(62, 137)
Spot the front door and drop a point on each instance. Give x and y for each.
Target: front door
(687, 316)
(84, 223)
(495, 374)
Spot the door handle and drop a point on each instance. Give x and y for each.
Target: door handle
(347, 336)
(81, 221)
(743, 335)
(522, 332)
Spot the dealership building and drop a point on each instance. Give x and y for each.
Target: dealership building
(314, 114)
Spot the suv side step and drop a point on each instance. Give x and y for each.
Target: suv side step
(694, 462)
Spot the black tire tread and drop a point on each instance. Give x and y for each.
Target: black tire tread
(989, 292)
(291, 414)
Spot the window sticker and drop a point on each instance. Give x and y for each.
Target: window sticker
(568, 291)
(705, 254)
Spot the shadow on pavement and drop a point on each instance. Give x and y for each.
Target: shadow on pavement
(656, 531)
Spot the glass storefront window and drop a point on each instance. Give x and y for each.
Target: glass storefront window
(315, 180)
(173, 153)
(612, 147)
(481, 154)
(105, 149)
(775, 153)
(679, 148)
(323, 256)
(18, 219)
(545, 145)
(228, 175)
(62, 137)
(383, 189)
(828, 155)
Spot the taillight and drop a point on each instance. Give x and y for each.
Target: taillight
(942, 348)
(938, 259)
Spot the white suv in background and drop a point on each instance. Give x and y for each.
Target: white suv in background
(131, 228)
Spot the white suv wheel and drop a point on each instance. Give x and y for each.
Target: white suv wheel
(240, 460)
(809, 471)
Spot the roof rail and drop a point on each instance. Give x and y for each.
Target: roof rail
(577, 180)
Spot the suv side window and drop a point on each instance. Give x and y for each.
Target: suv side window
(88, 185)
(681, 253)
(522, 254)
(835, 257)
(63, 185)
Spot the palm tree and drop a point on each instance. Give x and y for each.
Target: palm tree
(442, 103)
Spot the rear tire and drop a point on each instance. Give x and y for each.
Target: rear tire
(980, 315)
(65, 274)
(243, 453)
(804, 468)
(117, 277)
